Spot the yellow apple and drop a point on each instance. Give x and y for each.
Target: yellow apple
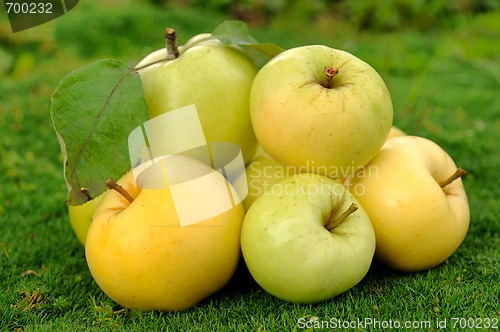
(395, 132)
(419, 218)
(80, 217)
(259, 152)
(141, 255)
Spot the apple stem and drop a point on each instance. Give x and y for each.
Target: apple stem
(330, 73)
(332, 223)
(458, 174)
(171, 44)
(115, 186)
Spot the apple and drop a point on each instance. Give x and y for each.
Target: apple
(321, 108)
(80, 217)
(261, 174)
(417, 205)
(141, 255)
(215, 77)
(395, 132)
(307, 239)
(259, 152)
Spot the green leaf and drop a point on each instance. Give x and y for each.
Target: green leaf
(94, 109)
(233, 32)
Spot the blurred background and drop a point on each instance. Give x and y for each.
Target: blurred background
(397, 37)
(439, 58)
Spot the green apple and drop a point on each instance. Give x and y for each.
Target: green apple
(420, 219)
(321, 108)
(143, 257)
(80, 217)
(304, 241)
(211, 75)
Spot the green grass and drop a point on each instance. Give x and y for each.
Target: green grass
(444, 86)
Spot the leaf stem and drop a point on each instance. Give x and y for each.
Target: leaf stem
(458, 174)
(115, 186)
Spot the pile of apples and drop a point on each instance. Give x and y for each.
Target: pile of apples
(329, 188)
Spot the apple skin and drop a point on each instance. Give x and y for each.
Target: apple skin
(290, 253)
(418, 224)
(395, 132)
(261, 174)
(216, 78)
(329, 130)
(259, 152)
(80, 217)
(141, 258)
